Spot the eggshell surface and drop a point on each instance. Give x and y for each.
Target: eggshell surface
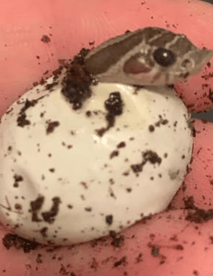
(69, 176)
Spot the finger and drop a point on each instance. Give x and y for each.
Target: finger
(198, 186)
(159, 246)
(24, 57)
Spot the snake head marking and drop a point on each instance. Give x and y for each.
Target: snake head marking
(150, 56)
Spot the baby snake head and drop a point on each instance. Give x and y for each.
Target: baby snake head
(150, 56)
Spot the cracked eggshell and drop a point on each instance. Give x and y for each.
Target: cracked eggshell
(64, 183)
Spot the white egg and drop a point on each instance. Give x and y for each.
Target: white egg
(68, 176)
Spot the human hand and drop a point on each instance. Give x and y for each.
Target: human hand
(162, 244)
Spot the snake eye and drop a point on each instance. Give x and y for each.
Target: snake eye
(164, 57)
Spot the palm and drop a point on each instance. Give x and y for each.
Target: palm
(161, 245)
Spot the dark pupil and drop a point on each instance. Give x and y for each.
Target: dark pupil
(164, 57)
